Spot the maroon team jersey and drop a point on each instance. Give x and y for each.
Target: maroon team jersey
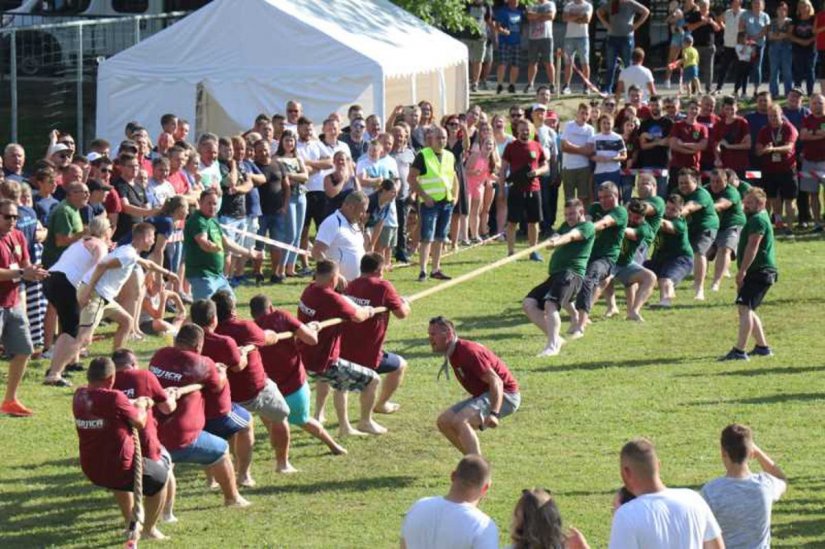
(778, 137)
(471, 360)
(134, 383)
(318, 304)
(246, 384)
(102, 418)
(688, 133)
(282, 361)
(363, 343)
(733, 133)
(177, 368)
(221, 349)
(814, 151)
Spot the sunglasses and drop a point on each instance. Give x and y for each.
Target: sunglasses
(516, 115)
(65, 155)
(292, 110)
(105, 170)
(453, 125)
(10, 217)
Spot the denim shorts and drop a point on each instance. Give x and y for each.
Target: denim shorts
(207, 450)
(390, 362)
(435, 221)
(578, 45)
(252, 226)
(509, 404)
(298, 403)
(674, 269)
(272, 226)
(625, 272)
(205, 287)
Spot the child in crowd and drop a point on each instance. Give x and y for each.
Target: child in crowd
(744, 58)
(480, 169)
(690, 65)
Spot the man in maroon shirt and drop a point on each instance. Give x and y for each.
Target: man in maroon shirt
(14, 326)
(732, 139)
(182, 432)
(104, 418)
(224, 418)
(494, 392)
(688, 139)
(320, 302)
(709, 119)
(249, 386)
(813, 156)
(775, 149)
(363, 343)
(282, 363)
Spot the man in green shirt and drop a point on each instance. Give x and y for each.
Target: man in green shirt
(646, 189)
(637, 280)
(728, 204)
(757, 273)
(703, 224)
(65, 223)
(568, 264)
(672, 258)
(204, 246)
(609, 220)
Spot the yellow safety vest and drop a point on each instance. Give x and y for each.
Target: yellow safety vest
(437, 181)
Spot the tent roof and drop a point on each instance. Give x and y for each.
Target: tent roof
(339, 37)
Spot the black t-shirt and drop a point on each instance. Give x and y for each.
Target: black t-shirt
(90, 211)
(355, 149)
(702, 36)
(232, 205)
(136, 196)
(272, 192)
(657, 156)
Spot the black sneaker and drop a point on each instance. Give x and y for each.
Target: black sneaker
(499, 89)
(473, 87)
(275, 279)
(259, 279)
(552, 89)
(75, 367)
(528, 88)
(438, 275)
(422, 276)
(511, 88)
(735, 354)
(402, 257)
(759, 350)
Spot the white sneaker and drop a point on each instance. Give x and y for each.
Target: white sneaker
(48, 354)
(566, 90)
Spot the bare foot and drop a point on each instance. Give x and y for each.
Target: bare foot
(611, 313)
(371, 428)
(212, 484)
(338, 450)
(170, 518)
(154, 533)
(387, 408)
(237, 502)
(349, 431)
(576, 334)
(636, 317)
(286, 469)
(246, 481)
(321, 419)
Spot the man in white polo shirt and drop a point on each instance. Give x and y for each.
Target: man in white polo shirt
(636, 75)
(576, 172)
(340, 237)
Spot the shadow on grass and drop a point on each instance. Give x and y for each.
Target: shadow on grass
(727, 304)
(804, 527)
(771, 399)
(391, 482)
(761, 372)
(631, 363)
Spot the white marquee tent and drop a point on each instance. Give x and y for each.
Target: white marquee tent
(233, 59)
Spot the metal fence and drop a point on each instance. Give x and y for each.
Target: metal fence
(48, 74)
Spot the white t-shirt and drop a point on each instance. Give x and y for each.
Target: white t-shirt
(639, 76)
(675, 518)
(113, 280)
(577, 30)
(731, 27)
(345, 242)
(435, 523)
(210, 175)
(607, 146)
(743, 508)
(578, 136)
(537, 30)
(77, 260)
(318, 150)
(159, 193)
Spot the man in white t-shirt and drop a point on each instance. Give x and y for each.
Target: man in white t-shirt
(576, 149)
(540, 17)
(577, 14)
(454, 521)
(340, 237)
(730, 22)
(636, 75)
(659, 517)
(741, 500)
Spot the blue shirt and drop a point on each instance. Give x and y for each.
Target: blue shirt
(754, 25)
(43, 207)
(757, 121)
(795, 117)
(253, 197)
(27, 224)
(511, 20)
(90, 211)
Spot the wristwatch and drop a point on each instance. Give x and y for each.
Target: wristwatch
(20, 273)
(495, 414)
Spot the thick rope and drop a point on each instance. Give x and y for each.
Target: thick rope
(137, 490)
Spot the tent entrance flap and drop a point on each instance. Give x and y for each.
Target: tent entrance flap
(210, 116)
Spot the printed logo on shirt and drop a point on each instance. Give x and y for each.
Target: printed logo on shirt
(165, 374)
(88, 424)
(360, 301)
(306, 310)
(130, 393)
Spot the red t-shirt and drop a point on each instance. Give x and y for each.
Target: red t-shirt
(112, 202)
(221, 349)
(179, 182)
(707, 157)
(642, 113)
(814, 151)
(282, 361)
(778, 162)
(136, 383)
(318, 304)
(470, 360)
(102, 417)
(246, 384)
(733, 133)
(362, 343)
(530, 154)
(146, 164)
(819, 21)
(176, 368)
(14, 252)
(688, 133)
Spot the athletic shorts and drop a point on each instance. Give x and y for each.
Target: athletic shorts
(524, 206)
(92, 313)
(14, 332)
(476, 48)
(388, 238)
(808, 183)
(700, 243)
(625, 272)
(206, 450)
(509, 54)
(727, 238)
(779, 185)
(316, 208)
(269, 403)
(579, 45)
(344, 375)
(674, 269)
(540, 50)
(62, 295)
(226, 426)
(298, 403)
(576, 183)
(690, 73)
(155, 475)
(390, 362)
(481, 404)
(754, 288)
(560, 288)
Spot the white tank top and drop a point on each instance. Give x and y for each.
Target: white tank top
(76, 261)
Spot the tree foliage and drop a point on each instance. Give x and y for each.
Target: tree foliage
(449, 15)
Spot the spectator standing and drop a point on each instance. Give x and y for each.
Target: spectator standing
(776, 150)
(702, 26)
(540, 16)
(341, 238)
(537, 523)
(297, 175)
(729, 21)
(636, 74)
(732, 139)
(803, 46)
(755, 23)
(274, 194)
(813, 156)
(654, 143)
(577, 15)
(404, 156)
(509, 19)
(14, 160)
(688, 138)
(779, 50)
(355, 138)
(576, 149)
(621, 18)
(475, 38)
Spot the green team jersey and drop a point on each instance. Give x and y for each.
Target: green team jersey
(733, 216)
(644, 232)
(573, 256)
(655, 220)
(673, 245)
(608, 241)
(705, 218)
(743, 188)
(198, 262)
(758, 223)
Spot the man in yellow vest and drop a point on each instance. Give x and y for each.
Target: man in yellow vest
(432, 176)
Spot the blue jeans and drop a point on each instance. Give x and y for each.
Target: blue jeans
(435, 221)
(272, 226)
(804, 61)
(204, 287)
(617, 46)
(599, 178)
(294, 224)
(627, 182)
(779, 53)
(173, 254)
(756, 67)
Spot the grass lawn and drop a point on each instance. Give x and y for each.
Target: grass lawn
(659, 379)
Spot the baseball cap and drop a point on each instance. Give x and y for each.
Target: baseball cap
(551, 115)
(539, 106)
(58, 147)
(92, 156)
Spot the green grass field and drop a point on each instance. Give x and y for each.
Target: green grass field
(659, 379)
